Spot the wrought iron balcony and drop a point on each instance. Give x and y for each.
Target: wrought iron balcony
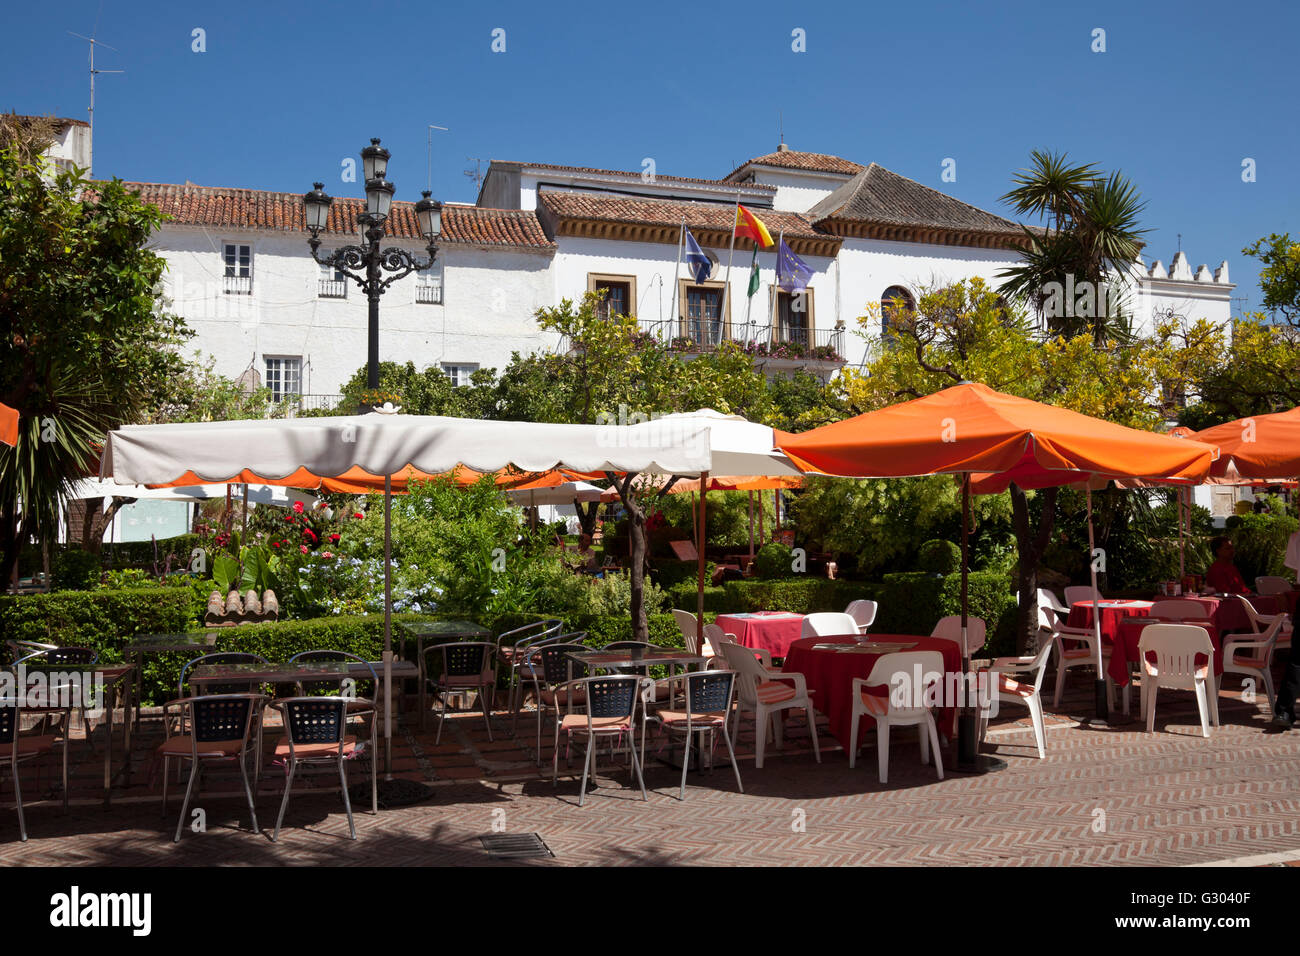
(767, 341)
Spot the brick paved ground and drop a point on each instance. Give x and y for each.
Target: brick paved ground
(1102, 796)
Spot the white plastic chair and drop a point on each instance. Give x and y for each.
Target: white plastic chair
(1176, 647)
(863, 612)
(715, 637)
(1178, 609)
(1083, 592)
(828, 624)
(1269, 584)
(903, 707)
(1012, 691)
(1052, 616)
(688, 624)
(1257, 659)
(949, 628)
(766, 694)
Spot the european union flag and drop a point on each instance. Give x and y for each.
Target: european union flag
(696, 260)
(792, 273)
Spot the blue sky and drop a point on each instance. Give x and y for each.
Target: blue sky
(285, 91)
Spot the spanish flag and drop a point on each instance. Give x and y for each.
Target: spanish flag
(749, 226)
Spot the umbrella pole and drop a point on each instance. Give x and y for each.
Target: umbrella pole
(699, 553)
(388, 627)
(751, 526)
(1182, 541)
(967, 722)
(1102, 698)
(243, 529)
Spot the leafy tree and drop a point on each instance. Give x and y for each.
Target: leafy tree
(427, 392)
(1090, 241)
(1280, 276)
(85, 347)
(28, 137)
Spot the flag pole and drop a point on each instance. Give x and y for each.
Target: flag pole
(749, 299)
(726, 284)
(677, 272)
(771, 299)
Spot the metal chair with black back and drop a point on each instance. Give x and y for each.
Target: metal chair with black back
(466, 666)
(14, 748)
(361, 702)
(550, 668)
(315, 732)
(707, 709)
(513, 647)
(233, 687)
(611, 705)
(220, 729)
(73, 656)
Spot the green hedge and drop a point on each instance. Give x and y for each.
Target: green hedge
(913, 602)
(101, 619)
(669, 573)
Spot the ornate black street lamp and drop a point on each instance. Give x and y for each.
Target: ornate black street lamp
(365, 263)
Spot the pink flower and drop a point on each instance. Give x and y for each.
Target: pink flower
(297, 507)
(302, 548)
(327, 555)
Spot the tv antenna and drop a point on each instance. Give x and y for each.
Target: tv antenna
(476, 173)
(93, 73)
(429, 156)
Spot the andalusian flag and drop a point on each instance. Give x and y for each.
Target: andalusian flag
(749, 226)
(753, 273)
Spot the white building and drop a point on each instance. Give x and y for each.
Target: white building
(241, 274)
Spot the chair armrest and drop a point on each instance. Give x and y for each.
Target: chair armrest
(1231, 647)
(795, 677)
(1012, 664)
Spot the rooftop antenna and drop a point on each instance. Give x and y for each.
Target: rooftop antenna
(429, 153)
(476, 173)
(90, 149)
(780, 130)
(1180, 241)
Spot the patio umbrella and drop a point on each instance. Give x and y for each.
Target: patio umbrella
(275, 495)
(1261, 446)
(565, 493)
(739, 447)
(305, 452)
(8, 425)
(971, 428)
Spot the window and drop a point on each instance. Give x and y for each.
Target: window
(428, 285)
(794, 317)
(893, 301)
(459, 374)
(620, 294)
(239, 268)
(333, 283)
(704, 315)
(284, 377)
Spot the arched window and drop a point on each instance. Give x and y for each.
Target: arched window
(893, 300)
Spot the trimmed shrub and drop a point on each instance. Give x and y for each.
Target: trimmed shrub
(914, 602)
(105, 620)
(75, 570)
(802, 595)
(668, 573)
(683, 596)
(774, 560)
(938, 557)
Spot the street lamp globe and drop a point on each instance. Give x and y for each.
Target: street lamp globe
(374, 160)
(316, 204)
(379, 198)
(429, 214)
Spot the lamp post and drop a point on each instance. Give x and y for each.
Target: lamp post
(365, 263)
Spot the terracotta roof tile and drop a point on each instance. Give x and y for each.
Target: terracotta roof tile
(877, 195)
(812, 162)
(606, 207)
(258, 209)
(636, 175)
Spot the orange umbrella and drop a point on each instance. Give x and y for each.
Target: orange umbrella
(1262, 446)
(8, 425)
(972, 428)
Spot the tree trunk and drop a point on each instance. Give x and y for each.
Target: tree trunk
(1031, 544)
(587, 514)
(636, 574)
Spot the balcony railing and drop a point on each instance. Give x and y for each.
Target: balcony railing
(293, 405)
(428, 294)
(768, 341)
(333, 289)
(238, 285)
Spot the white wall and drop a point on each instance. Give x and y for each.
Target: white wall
(490, 297)
(799, 190)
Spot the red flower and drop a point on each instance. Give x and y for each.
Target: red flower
(334, 538)
(275, 544)
(358, 515)
(309, 533)
(288, 517)
(297, 507)
(302, 548)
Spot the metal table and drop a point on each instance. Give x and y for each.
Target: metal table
(256, 673)
(144, 644)
(443, 632)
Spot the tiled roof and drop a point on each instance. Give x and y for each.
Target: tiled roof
(607, 207)
(635, 174)
(258, 209)
(793, 159)
(876, 195)
(61, 121)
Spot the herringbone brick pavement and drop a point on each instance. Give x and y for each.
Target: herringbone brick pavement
(1102, 796)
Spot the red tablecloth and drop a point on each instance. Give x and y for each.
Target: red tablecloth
(1231, 617)
(1125, 647)
(772, 631)
(830, 675)
(1112, 612)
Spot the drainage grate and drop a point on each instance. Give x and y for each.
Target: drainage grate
(515, 846)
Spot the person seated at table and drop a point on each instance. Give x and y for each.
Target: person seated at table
(1223, 575)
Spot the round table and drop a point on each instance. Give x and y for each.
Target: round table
(830, 673)
(1231, 617)
(1112, 612)
(1124, 649)
(772, 631)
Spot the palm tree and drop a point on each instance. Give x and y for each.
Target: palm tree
(1091, 236)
